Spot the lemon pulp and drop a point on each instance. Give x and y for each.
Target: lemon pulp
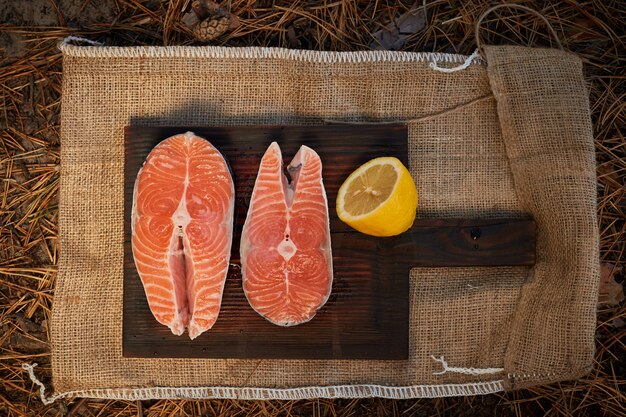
(379, 198)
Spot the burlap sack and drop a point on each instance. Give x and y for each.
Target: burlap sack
(511, 137)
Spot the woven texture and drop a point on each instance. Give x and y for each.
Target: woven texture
(509, 139)
(548, 135)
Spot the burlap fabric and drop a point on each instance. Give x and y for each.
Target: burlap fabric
(510, 138)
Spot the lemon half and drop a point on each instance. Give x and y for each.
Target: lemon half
(379, 198)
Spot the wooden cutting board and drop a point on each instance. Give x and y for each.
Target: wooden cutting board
(367, 314)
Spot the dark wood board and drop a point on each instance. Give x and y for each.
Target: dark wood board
(366, 316)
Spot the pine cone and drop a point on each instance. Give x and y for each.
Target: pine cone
(211, 28)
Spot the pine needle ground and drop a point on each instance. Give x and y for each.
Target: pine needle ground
(30, 84)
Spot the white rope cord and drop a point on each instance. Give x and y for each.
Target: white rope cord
(42, 388)
(461, 67)
(70, 39)
(465, 371)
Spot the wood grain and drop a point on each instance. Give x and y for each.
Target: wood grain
(366, 316)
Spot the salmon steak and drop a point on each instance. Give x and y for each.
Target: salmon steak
(286, 261)
(182, 228)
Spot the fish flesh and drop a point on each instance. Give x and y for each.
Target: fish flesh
(182, 229)
(286, 261)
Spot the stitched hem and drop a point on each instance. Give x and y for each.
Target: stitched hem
(221, 52)
(339, 391)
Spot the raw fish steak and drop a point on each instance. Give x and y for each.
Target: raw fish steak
(182, 228)
(286, 261)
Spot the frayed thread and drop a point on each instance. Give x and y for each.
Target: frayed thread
(465, 371)
(72, 39)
